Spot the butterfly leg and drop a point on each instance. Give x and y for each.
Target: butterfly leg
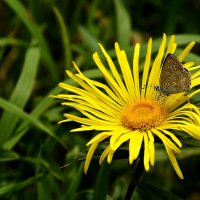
(160, 97)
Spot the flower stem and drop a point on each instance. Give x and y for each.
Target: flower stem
(135, 179)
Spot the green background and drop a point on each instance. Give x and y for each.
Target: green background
(40, 159)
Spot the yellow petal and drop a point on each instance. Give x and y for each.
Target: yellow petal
(119, 90)
(110, 156)
(112, 66)
(146, 153)
(136, 69)
(114, 139)
(186, 51)
(155, 71)
(194, 68)
(146, 67)
(174, 162)
(188, 65)
(166, 141)
(100, 137)
(151, 148)
(192, 130)
(121, 140)
(126, 71)
(89, 156)
(173, 137)
(135, 144)
(104, 154)
(171, 46)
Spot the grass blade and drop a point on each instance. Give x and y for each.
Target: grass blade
(65, 38)
(89, 40)
(8, 155)
(42, 106)
(18, 186)
(30, 119)
(24, 15)
(72, 189)
(101, 185)
(21, 92)
(6, 41)
(123, 24)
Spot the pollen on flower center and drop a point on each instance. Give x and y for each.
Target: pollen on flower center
(143, 115)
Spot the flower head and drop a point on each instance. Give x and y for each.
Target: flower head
(122, 110)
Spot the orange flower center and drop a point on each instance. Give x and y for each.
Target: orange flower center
(143, 115)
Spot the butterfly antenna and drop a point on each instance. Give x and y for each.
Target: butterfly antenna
(145, 86)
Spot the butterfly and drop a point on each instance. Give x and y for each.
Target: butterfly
(174, 78)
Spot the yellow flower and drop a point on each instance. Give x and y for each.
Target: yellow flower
(123, 110)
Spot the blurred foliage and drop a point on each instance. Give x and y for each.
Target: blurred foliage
(38, 41)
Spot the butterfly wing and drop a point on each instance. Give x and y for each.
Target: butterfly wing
(174, 77)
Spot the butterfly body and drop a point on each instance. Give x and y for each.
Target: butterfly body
(174, 78)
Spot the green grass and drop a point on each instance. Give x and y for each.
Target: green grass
(38, 41)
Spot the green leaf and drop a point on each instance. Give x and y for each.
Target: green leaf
(88, 195)
(47, 189)
(149, 191)
(8, 155)
(120, 187)
(74, 183)
(42, 106)
(18, 186)
(88, 39)
(183, 39)
(180, 39)
(52, 168)
(24, 15)
(123, 24)
(65, 37)
(91, 13)
(76, 15)
(188, 152)
(21, 92)
(101, 186)
(30, 119)
(171, 19)
(190, 57)
(6, 41)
